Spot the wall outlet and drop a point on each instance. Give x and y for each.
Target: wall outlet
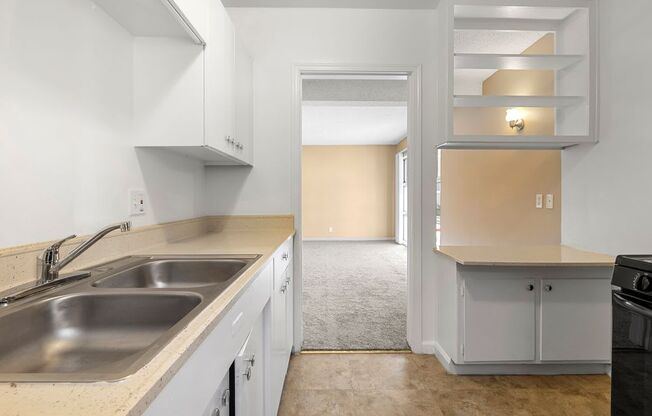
(330, 229)
(539, 201)
(550, 201)
(136, 202)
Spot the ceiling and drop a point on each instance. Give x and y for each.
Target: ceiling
(343, 4)
(353, 111)
(346, 124)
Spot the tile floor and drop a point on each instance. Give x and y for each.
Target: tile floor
(415, 385)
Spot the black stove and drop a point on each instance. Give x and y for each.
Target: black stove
(631, 360)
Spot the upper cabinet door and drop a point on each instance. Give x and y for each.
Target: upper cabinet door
(243, 102)
(229, 79)
(499, 320)
(575, 320)
(215, 75)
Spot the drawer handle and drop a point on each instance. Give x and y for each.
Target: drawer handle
(547, 288)
(530, 287)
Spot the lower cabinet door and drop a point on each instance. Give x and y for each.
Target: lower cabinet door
(279, 362)
(499, 320)
(249, 375)
(289, 310)
(220, 403)
(575, 320)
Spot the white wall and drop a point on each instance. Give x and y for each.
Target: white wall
(279, 38)
(607, 188)
(66, 157)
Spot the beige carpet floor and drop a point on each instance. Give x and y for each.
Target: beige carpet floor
(354, 295)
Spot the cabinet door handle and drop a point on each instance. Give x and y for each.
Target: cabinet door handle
(547, 288)
(247, 373)
(284, 288)
(285, 256)
(530, 287)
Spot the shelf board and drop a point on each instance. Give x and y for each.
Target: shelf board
(514, 61)
(514, 142)
(515, 101)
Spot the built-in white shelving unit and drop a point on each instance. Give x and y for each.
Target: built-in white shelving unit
(482, 37)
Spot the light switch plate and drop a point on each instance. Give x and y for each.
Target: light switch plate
(136, 202)
(550, 201)
(539, 201)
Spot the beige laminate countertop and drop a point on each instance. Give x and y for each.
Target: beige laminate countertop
(544, 255)
(132, 395)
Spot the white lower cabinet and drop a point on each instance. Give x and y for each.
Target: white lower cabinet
(220, 403)
(575, 319)
(253, 340)
(535, 320)
(499, 320)
(282, 321)
(249, 375)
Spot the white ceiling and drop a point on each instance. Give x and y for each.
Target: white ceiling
(345, 4)
(354, 123)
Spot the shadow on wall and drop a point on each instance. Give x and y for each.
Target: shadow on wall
(226, 181)
(174, 184)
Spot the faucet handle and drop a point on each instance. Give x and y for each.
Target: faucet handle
(51, 254)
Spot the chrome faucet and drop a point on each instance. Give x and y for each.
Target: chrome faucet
(49, 263)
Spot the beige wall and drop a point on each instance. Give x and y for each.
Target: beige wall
(349, 188)
(488, 197)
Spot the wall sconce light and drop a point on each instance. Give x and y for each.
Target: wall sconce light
(514, 117)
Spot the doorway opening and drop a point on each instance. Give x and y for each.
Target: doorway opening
(354, 211)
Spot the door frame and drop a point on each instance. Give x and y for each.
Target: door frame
(398, 199)
(414, 274)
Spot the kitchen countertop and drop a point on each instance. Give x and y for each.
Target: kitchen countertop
(541, 255)
(132, 395)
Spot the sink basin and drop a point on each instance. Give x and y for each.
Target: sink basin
(95, 336)
(176, 273)
(109, 325)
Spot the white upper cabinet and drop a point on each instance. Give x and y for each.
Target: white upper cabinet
(243, 102)
(192, 98)
(535, 58)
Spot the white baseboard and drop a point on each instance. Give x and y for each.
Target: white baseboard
(517, 369)
(348, 238)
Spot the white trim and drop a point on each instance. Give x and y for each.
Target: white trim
(348, 238)
(413, 72)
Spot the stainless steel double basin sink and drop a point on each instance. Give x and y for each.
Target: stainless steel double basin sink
(111, 324)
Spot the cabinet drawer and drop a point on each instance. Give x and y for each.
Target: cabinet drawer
(283, 257)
